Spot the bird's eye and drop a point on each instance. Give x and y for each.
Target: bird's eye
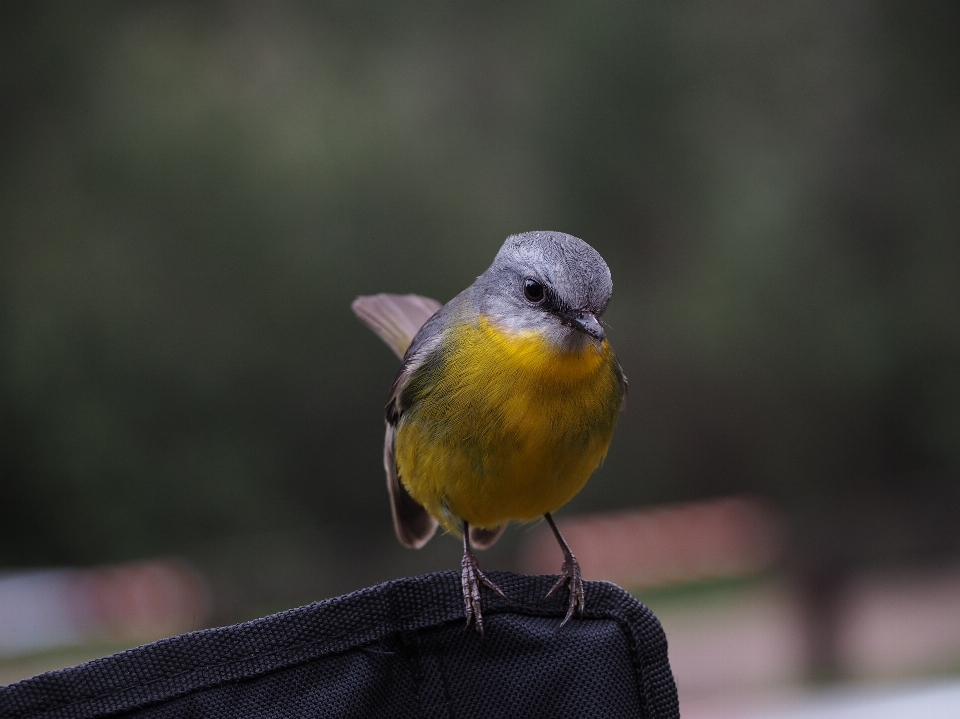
(532, 290)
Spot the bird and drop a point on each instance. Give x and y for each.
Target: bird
(505, 402)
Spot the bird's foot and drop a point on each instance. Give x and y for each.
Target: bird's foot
(570, 574)
(471, 578)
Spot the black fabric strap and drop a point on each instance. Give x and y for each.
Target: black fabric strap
(394, 650)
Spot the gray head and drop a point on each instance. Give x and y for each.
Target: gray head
(548, 282)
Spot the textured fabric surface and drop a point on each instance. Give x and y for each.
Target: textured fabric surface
(395, 650)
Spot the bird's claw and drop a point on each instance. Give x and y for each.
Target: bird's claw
(570, 574)
(471, 578)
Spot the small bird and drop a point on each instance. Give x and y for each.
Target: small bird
(505, 403)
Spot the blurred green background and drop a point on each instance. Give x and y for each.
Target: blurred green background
(191, 194)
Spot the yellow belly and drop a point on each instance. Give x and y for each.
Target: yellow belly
(504, 427)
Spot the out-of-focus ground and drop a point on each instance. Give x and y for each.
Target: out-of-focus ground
(191, 195)
(741, 641)
(907, 700)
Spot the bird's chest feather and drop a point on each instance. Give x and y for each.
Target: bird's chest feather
(506, 424)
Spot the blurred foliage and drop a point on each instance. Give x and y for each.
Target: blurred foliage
(192, 194)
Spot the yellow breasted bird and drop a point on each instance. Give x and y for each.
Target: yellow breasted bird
(506, 401)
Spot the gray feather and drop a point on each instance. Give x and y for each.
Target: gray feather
(571, 270)
(395, 319)
(485, 538)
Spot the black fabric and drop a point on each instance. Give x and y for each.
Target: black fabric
(395, 650)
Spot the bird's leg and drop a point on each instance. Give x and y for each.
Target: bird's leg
(471, 578)
(569, 572)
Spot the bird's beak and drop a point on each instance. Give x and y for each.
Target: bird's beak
(587, 322)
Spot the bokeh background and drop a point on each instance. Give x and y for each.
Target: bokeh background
(191, 194)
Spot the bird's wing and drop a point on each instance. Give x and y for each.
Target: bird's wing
(395, 318)
(413, 524)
